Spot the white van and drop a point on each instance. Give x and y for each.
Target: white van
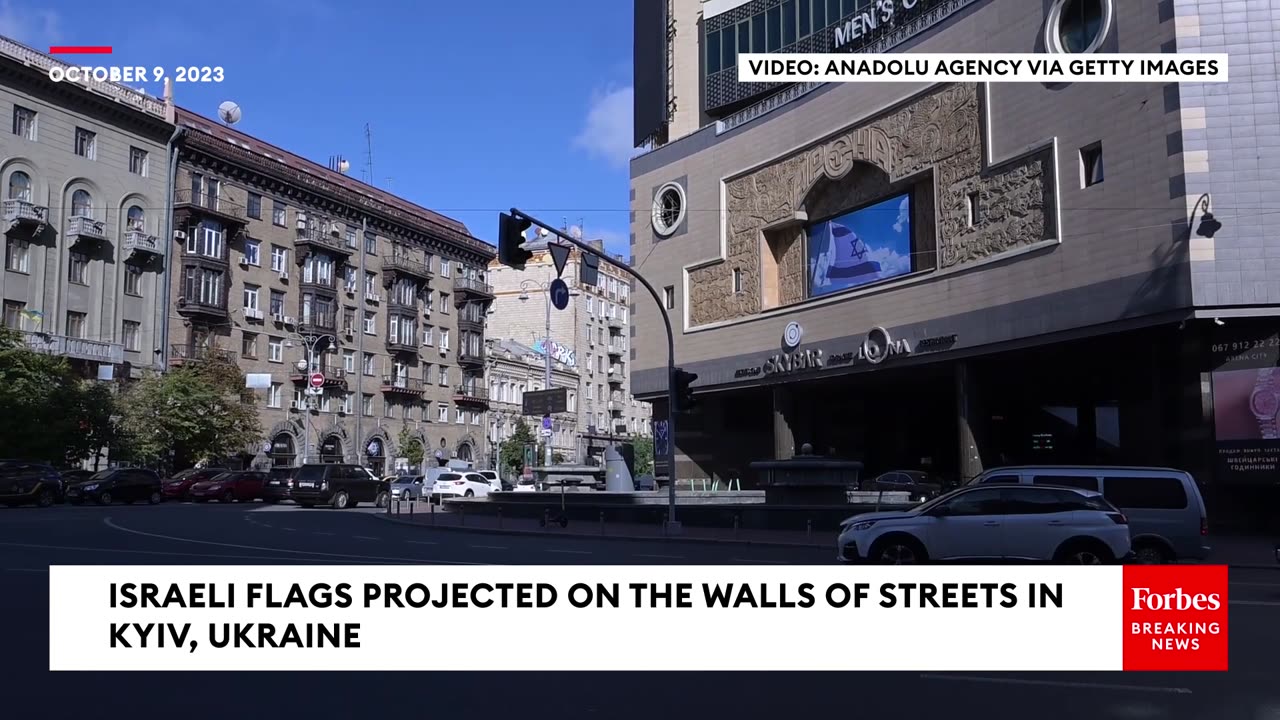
(1167, 518)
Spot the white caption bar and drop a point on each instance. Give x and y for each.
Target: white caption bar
(983, 67)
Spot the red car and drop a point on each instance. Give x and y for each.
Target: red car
(242, 486)
(179, 486)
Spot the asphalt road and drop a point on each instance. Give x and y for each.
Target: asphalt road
(32, 539)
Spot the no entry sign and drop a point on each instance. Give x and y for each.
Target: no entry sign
(317, 380)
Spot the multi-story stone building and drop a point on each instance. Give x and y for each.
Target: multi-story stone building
(945, 276)
(83, 172)
(513, 368)
(592, 336)
(307, 276)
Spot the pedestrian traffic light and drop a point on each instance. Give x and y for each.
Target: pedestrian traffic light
(682, 381)
(510, 239)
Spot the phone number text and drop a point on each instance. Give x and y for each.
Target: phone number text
(137, 73)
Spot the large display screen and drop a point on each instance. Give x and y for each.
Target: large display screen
(1246, 404)
(860, 247)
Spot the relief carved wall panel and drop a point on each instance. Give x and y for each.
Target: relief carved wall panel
(932, 143)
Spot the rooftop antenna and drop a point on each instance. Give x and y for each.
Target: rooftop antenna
(229, 113)
(368, 142)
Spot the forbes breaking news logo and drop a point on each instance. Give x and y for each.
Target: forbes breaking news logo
(1175, 618)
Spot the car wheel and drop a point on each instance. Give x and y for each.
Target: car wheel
(341, 500)
(1084, 553)
(469, 493)
(228, 497)
(898, 551)
(45, 499)
(383, 500)
(1151, 554)
(155, 497)
(105, 498)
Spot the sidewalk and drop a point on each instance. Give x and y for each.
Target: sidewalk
(1236, 551)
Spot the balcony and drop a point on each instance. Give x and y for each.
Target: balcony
(406, 266)
(321, 240)
(140, 245)
(318, 324)
(466, 324)
(333, 377)
(465, 289)
(191, 206)
(198, 309)
(402, 344)
(181, 354)
(616, 324)
(23, 214)
(464, 395)
(615, 377)
(615, 350)
(401, 385)
(73, 347)
(86, 230)
(470, 358)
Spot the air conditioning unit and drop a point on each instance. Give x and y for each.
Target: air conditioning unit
(351, 291)
(297, 405)
(284, 274)
(277, 317)
(253, 314)
(443, 350)
(289, 320)
(347, 332)
(372, 297)
(180, 235)
(335, 229)
(244, 262)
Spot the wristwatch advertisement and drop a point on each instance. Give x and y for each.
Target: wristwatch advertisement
(1265, 403)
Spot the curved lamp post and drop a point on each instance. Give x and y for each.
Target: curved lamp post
(308, 365)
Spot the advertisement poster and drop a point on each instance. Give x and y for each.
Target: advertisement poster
(1246, 402)
(860, 247)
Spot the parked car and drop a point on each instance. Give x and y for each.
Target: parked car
(71, 477)
(461, 485)
(178, 487)
(29, 483)
(228, 487)
(127, 484)
(341, 486)
(526, 485)
(985, 524)
(279, 485)
(494, 480)
(921, 485)
(1167, 516)
(407, 487)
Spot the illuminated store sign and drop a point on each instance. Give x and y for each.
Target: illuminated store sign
(877, 347)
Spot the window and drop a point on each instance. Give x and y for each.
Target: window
(24, 122)
(349, 278)
(135, 219)
(318, 269)
(367, 365)
(1091, 164)
(388, 410)
(348, 400)
(274, 394)
(253, 252)
(348, 319)
(251, 297)
(442, 412)
(1075, 481)
(254, 206)
(279, 258)
(13, 314)
(669, 297)
(370, 284)
(370, 323)
(428, 335)
(600, 365)
(278, 213)
(573, 402)
(459, 416)
(668, 209)
(86, 144)
(277, 303)
(444, 304)
(591, 395)
(76, 324)
(138, 161)
(129, 332)
(76, 268)
(349, 360)
(1145, 493)
(1077, 26)
(326, 403)
(737, 282)
(204, 286)
(207, 241)
(249, 345)
(366, 405)
(591, 305)
(17, 256)
(444, 338)
(275, 349)
(19, 186)
(622, 314)
(444, 376)
(976, 502)
(132, 280)
(371, 243)
(351, 237)
(81, 204)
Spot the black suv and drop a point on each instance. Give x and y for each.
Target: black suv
(29, 483)
(128, 484)
(341, 486)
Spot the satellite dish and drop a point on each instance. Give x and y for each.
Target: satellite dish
(576, 233)
(343, 166)
(229, 112)
(543, 232)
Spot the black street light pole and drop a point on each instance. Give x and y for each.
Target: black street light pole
(670, 449)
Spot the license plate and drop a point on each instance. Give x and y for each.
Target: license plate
(306, 484)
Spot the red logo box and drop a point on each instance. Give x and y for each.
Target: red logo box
(1175, 617)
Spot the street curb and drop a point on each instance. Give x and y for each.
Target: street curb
(595, 536)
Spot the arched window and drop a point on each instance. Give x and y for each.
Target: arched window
(136, 219)
(81, 204)
(20, 186)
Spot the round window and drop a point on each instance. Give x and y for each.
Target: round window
(668, 209)
(1078, 26)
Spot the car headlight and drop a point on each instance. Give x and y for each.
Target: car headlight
(860, 525)
(90, 487)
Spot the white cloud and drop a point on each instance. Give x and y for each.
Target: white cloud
(904, 215)
(33, 26)
(891, 263)
(607, 131)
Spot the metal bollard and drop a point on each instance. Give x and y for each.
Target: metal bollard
(411, 509)
(433, 513)
(462, 515)
(808, 528)
(546, 517)
(665, 522)
(602, 522)
(397, 506)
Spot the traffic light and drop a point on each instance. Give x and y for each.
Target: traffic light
(510, 238)
(682, 381)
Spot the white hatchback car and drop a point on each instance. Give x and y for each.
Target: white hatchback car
(464, 484)
(987, 524)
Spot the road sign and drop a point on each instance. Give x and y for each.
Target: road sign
(559, 294)
(546, 402)
(589, 270)
(315, 391)
(560, 256)
(546, 432)
(317, 380)
(546, 423)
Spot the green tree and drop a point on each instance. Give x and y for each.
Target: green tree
(511, 454)
(643, 447)
(556, 458)
(49, 412)
(411, 447)
(193, 412)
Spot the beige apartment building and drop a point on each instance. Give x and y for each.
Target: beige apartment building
(593, 337)
(82, 171)
(307, 277)
(513, 368)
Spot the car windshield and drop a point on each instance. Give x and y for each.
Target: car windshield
(927, 506)
(310, 472)
(406, 480)
(222, 477)
(104, 475)
(449, 477)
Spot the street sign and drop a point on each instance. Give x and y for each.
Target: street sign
(317, 380)
(540, 403)
(546, 432)
(546, 423)
(560, 256)
(589, 269)
(559, 294)
(315, 391)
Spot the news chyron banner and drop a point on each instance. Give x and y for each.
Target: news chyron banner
(635, 618)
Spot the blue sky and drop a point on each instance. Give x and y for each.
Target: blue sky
(474, 106)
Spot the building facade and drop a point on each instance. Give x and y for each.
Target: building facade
(952, 277)
(308, 278)
(593, 336)
(512, 369)
(82, 167)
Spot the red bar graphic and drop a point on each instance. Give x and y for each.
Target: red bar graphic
(80, 50)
